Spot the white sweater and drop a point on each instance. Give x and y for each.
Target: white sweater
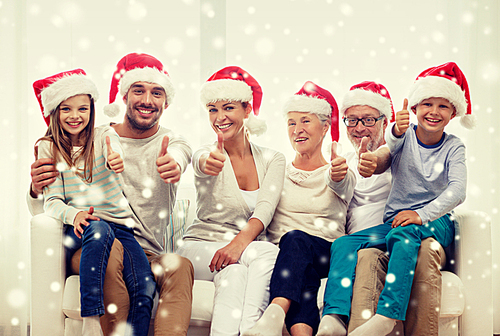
(313, 203)
(221, 210)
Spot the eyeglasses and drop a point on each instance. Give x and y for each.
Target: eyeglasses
(367, 122)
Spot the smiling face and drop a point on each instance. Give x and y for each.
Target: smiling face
(74, 116)
(433, 114)
(228, 117)
(306, 132)
(145, 103)
(374, 133)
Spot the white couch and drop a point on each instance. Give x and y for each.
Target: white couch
(466, 307)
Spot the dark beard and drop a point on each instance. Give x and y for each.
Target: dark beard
(140, 127)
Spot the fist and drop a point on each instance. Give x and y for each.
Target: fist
(115, 161)
(338, 165)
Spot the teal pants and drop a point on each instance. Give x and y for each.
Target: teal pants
(402, 243)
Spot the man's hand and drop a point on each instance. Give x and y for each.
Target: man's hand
(402, 120)
(43, 173)
(81, 221)
(367, 160)
(115, 161)
(338, 169)
(167, 167)
(215, 161)
(406, 217)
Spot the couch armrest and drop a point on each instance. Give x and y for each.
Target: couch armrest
(473, 264)
(47, 276)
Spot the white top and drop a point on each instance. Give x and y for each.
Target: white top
(250, 197)
(370, 195)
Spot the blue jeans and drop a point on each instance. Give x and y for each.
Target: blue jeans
(96, 243)
(402, 243)
(301, 263)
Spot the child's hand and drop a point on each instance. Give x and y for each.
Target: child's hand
(167, 167)
(115, 161)
(338, 165)
(81, 221)
(406, 217)
(367, 160)
(215, 161)
(402, 120)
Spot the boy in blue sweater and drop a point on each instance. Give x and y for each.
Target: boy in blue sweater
(429, 178)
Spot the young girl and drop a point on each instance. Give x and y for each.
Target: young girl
(87, 196)
(428, 181)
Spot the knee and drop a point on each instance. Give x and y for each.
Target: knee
(371, 258)
(401, 233)
(234, 273)
(146, 285)
(170, 265)
(430, 257)
(261, 250)
(294, 238)
(97, 230)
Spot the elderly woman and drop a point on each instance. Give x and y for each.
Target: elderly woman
(309, 216)
(238, 186)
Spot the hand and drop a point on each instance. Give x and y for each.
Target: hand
(406, 217)
(81, 221)
(167, 166)
(43, 173)
(215, 161)
(367, 160)
(402, 120)
(338, 169)
(115, 161)
(229, 254)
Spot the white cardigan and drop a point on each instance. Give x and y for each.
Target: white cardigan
(221, 210)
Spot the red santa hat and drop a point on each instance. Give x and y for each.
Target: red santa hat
(234, 84)
(312, 98)
(444, 81)
(133, 68)
(53, 90)
(370, 94)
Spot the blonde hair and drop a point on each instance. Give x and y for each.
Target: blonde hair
(62, 146)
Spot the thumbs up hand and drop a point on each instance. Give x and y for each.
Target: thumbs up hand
(215, 161)
(402, 120)
(115, 161)
(367, 160)
(338, 169)
(167, 166)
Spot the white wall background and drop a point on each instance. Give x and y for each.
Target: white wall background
(282, 43)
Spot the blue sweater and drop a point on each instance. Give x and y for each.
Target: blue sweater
(431, 180)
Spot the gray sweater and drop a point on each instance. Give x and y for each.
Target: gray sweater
(221, 210)
(151, 199)
(430, 180)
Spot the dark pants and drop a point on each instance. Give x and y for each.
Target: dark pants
(302, 261)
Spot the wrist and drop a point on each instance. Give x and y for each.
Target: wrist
(33, 192)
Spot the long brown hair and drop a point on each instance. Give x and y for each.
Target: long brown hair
(62, 145)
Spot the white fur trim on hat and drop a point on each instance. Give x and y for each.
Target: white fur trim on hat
(64, 88)
(149, 75)
(365, 97)
(304, 103)
(225, 89)
(254, 125)
(438, 87)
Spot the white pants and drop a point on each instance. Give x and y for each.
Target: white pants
(241, 289)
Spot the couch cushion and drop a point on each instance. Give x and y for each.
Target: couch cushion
(177, 224)
(203, 302)
(452, 295)
(71, 298)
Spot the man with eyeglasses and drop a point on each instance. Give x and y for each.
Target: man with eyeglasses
(367, 110)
